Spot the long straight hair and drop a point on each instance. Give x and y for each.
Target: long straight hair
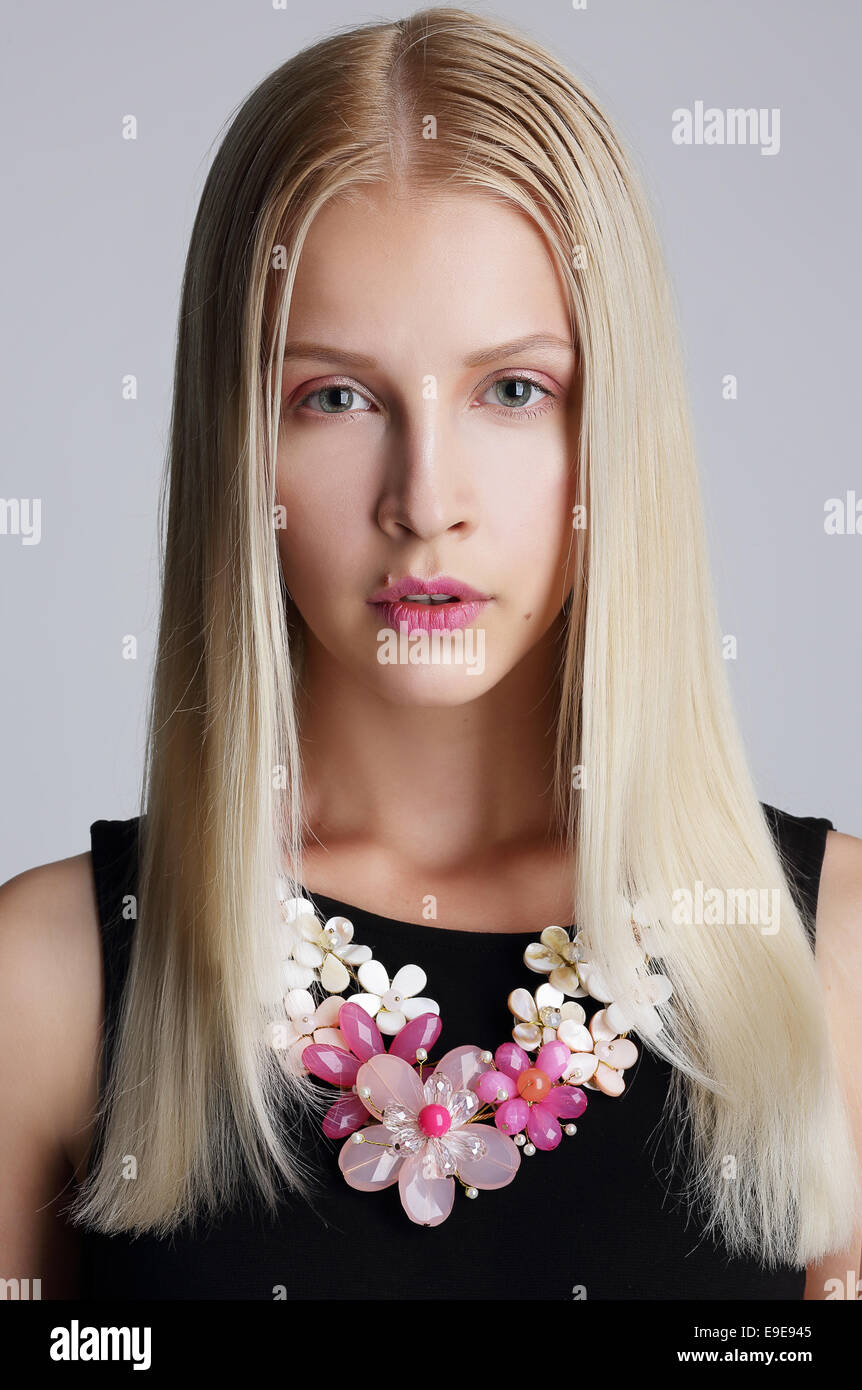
(664, 797)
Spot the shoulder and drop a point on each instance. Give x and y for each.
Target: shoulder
(51, 988)
(839, 965)
(839, 904)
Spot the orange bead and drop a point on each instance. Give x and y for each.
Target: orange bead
(533, 1084)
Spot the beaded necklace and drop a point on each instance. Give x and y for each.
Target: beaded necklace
(471, 1115)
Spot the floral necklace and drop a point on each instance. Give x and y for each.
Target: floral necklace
(469, 1116)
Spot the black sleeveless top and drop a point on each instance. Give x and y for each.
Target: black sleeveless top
(593, 1218)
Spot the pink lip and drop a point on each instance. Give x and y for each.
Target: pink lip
(442, 584)
(393, 610)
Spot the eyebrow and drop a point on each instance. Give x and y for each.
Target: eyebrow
(321, 352)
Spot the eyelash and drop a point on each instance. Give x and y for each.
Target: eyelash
(519, 413)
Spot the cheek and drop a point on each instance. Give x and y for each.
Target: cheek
(528, 513)
(320, 530)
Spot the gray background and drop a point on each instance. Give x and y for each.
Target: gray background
(762, 250)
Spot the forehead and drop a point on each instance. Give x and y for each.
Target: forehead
(459, 265)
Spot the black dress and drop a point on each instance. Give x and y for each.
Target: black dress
(591, 1219)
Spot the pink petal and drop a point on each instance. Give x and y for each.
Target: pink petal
(330, 1063)
(390, 1079)
(553, 1059)
(566, 1102)
(342, 1118)
(499, 1164)
(490, 1083)
(462, 1066)
(360, 1030)
(511, 1059)
(422, 1031)
(333, 1036)
(543, 1127)
(366, 1166)
(512, 1115)
(427, 1201)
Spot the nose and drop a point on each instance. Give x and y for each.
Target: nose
(427, 489)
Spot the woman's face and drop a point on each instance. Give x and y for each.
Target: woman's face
(417, 442)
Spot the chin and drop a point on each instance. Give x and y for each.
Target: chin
(431, 687)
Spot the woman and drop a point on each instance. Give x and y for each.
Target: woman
(428, 385)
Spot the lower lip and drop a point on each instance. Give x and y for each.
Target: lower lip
(427, 617)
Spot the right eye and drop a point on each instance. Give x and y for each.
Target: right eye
(337, 398)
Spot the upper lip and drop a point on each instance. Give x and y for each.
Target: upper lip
(441, 584)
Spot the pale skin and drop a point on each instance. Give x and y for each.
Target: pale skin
(417, 484)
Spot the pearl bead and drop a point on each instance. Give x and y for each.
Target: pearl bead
(486, 1056)
(365, 1092)
(571, 1129)
(519, 1140)
(357, 1137)
(421, 1054)
(529, 1150)
(472, 1192)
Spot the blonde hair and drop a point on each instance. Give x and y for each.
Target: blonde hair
(196, 1092)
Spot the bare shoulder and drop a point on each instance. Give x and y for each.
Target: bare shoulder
(839, 903)
(51, 973)
(51, 1001)
(839, 962)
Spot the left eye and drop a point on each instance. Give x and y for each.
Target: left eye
(521, 396)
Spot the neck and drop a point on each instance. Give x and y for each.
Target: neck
(440, 784)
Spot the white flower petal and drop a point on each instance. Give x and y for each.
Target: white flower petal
(581, 1066)
(339, 931)
(333, 975)
(327, 1012)
(369, 1002)
(412, 1008)
(409, 980)
(537, 957)
(298, 1003)
(547, 995)
(523, 1005)
(572, 1012)
(576, 1037)
(373, 977)
(528, 1035)
(297, 907)
(354, 955)
(389, 1021)
(555, 938)
(619, 1018)
(601, 1028)
(306, 953)
(565, 979)
(658, 989)
(594, 982)
(296, 976)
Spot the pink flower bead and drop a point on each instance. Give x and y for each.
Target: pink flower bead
(490, 1084)
(434, 1120)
